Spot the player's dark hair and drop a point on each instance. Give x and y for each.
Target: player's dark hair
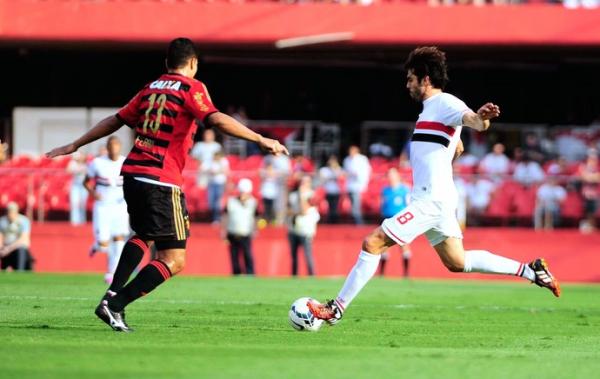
(180, 51)
(428, 61)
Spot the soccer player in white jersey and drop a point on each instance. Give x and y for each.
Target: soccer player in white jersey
(435, 144)
(110, 218)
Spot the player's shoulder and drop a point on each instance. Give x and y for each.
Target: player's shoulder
(191, 84)
(450, 98)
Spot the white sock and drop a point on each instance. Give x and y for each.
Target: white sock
(114, 254)
(361, 273)
(486, 262)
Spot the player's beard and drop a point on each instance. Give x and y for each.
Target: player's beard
(416, 94)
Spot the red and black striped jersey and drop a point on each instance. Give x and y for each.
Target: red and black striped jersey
(162, 115)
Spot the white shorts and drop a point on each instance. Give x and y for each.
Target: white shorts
(431, 218)
(110, 220)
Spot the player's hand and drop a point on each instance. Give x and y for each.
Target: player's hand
(272, 146)
(97, 196)
(489, 111)
(63, 150)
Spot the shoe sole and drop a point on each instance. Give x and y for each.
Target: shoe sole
(555, 288)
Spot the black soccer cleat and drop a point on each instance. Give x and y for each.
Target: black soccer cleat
(543, 277)
(331, 311)
(116, 320)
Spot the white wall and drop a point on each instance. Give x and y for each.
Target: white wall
(38, 130)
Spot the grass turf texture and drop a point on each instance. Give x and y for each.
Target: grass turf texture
(237, 328)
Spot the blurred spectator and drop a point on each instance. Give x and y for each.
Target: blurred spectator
(394, 198)
(589, 175)
(589, 4)
(282, 166)
(533, 148)
(300, 166)
(302, 224)
(479, 194)
(269, 191)
(570, 146)
(78, 194)
(204, 152)
(15, 232)
(217, 170)
(467, 160)
(380, 149)
(329, 176)
(495, 164)
(239, 227)
(358, 172)
(3, 152)
(549, 197)
(528, 172)
(560, 167)
(102, 151)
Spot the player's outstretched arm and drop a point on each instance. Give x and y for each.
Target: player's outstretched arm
(232, 127)
(105, 127)
(480, 121)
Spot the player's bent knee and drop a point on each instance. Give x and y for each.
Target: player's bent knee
(174, 259)
(177, 264)
(454, 266)
(172, 253)
(375, 242)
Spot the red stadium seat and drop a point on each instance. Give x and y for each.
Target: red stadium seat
(500, 207)
(571, 209)
(524, 204)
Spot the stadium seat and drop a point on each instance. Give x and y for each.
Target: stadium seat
(500, 208)
(524, 204)
(571, 209)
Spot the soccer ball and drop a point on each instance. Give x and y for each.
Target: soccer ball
(301, 318)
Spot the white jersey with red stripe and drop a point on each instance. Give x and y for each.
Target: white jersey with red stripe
(432, 148)
(109, 182)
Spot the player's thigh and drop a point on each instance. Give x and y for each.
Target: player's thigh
(156, 212)
(102, 222)
(412, 221)
(447, 226)
(452, 253)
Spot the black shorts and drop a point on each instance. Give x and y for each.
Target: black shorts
(156, 212)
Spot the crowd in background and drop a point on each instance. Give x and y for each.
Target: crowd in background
(544, 174)
(551, 167)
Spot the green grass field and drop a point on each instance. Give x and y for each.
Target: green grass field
(237, 328)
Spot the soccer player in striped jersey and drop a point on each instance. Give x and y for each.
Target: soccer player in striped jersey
(163, 116)
(435, 144)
